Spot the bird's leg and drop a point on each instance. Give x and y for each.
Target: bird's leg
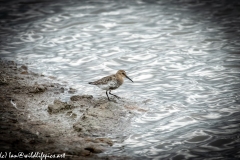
(113, 94)
(107, 95)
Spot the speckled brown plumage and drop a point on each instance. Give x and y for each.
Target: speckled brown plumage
(111, 82)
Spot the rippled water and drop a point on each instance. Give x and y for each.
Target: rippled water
(183, 56)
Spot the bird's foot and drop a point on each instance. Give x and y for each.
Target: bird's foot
(114, 95)
(117, 97)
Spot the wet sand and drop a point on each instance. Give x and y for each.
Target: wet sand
(34, 118)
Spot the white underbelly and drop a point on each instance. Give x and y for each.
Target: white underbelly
(104, 87)
(111, 85)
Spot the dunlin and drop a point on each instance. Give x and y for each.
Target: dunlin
(111, 82)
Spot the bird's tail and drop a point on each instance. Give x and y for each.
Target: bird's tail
(90, 82)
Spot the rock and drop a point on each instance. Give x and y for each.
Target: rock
(78, 127)
(98, 113)
(109, 106)
(3, 80)
(70, 114)
(105, 140)
(24, 67)
(92, 147)
(78, 97)
(62, 90)
(64, 132)
(37, 89)
(85, 153)
(72, 90)
(40, 88)
(58, 106)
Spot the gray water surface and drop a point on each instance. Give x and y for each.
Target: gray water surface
(183, 57)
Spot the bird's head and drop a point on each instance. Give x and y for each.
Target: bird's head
(122, 73)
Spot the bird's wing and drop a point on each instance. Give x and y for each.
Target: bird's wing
(104, 80)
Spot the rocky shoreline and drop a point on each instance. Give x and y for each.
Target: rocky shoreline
(34, 118)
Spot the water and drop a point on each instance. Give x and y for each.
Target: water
(183, 56)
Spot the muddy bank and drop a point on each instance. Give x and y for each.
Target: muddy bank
(35, 118)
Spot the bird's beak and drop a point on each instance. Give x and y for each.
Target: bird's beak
(128, 78)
